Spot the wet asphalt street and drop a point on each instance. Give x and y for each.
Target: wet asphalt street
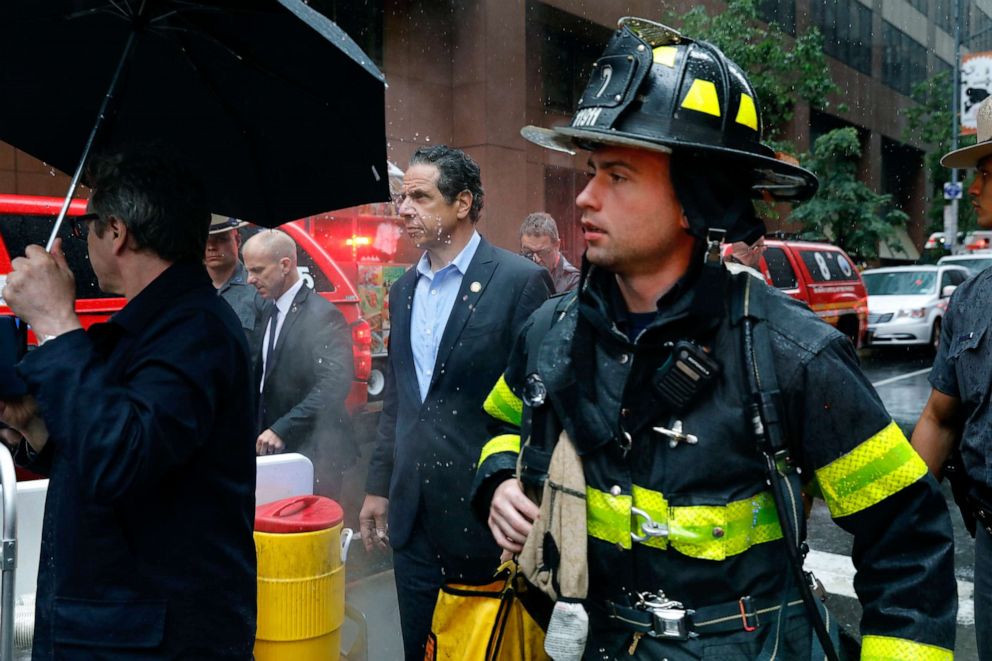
(900, 377)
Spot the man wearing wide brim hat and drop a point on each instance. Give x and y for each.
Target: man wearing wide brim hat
(692, 396)
(955, 427)
(230, 277)
(969, 157)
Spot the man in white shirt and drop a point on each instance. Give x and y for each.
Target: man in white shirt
(305, 365)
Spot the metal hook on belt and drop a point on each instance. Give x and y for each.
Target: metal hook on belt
(649, 527)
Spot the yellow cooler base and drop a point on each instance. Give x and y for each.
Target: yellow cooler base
(321, 648)
(300, 596)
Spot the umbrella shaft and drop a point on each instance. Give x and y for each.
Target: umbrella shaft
(100, 116)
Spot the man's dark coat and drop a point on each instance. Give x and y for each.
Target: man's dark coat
(428, 451)
(246, 302)
(147, 548)
(307, 382)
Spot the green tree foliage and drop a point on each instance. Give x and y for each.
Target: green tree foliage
(854, 217)
(783, 70)
(929, 122)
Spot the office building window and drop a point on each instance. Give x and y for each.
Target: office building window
(782, 12)
(942, 67)
(846, 29)
(982, 31)
(919, 5)
(566, 63)
(569, 45)
(904, 62)
(901, 172)
(821, 123)
(944, 15)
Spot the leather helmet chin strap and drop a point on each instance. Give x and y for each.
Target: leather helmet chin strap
(714, 196)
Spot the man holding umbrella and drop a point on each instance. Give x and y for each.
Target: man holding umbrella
(140, 425)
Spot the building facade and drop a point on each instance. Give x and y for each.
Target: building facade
(470, 73)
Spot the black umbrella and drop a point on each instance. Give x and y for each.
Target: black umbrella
(279, 113)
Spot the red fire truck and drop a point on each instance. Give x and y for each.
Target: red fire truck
(369, 246)
(26, 219)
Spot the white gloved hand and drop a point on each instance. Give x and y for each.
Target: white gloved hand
(567, 632)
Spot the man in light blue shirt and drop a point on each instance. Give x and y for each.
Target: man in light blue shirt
(453, 320)
(432, 302)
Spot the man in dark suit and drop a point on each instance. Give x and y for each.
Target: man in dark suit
(143, 425)
(305, 366)
(454, 317)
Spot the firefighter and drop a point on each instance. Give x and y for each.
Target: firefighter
(699, 402)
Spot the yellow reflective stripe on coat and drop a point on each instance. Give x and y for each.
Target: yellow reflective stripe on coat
(885, 648)
(708, 532)
(873, 471)
(655, 505)
(608, 517)
(502, 404)
(501, 443)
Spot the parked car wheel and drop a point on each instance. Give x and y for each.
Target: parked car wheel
(935, 337)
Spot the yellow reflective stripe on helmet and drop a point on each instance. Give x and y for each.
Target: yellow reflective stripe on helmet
(746, 113)
(501, 443)
(886, 648)
(871, 472)
(502, 404)
(608, 517)
(665, 55)
(708, 532)
(702, 96)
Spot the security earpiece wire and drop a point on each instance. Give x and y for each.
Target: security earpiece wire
(768, 433)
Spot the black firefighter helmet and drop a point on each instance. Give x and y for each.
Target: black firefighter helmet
(654, 89)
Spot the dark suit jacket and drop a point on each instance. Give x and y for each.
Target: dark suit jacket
(147, 548)
(307, 383)
(427, 452)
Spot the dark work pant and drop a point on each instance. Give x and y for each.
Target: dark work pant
(417, 569)
(983, 592)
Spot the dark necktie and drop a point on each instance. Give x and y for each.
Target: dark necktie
(269, 348)
(270, 342)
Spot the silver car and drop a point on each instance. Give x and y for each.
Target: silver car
(907, 303)
(975, 262)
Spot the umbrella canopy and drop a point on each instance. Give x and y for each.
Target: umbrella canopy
(275, 108)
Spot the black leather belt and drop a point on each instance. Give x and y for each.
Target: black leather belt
(659, 617)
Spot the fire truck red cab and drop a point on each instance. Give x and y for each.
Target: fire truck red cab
(26, 219)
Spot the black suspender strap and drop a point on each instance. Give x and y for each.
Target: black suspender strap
(769, 431)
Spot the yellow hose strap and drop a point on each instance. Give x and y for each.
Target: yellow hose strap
(884, 648)
(871, 472)
(503, 405)
(502, 443)
(708, 532)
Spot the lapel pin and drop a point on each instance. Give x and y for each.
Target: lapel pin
(475, 287)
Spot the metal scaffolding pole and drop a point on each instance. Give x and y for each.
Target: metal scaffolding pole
(951, 210)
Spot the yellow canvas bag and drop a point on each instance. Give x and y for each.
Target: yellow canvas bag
(497, 621)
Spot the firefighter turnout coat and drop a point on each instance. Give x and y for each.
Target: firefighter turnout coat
(697, 477)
